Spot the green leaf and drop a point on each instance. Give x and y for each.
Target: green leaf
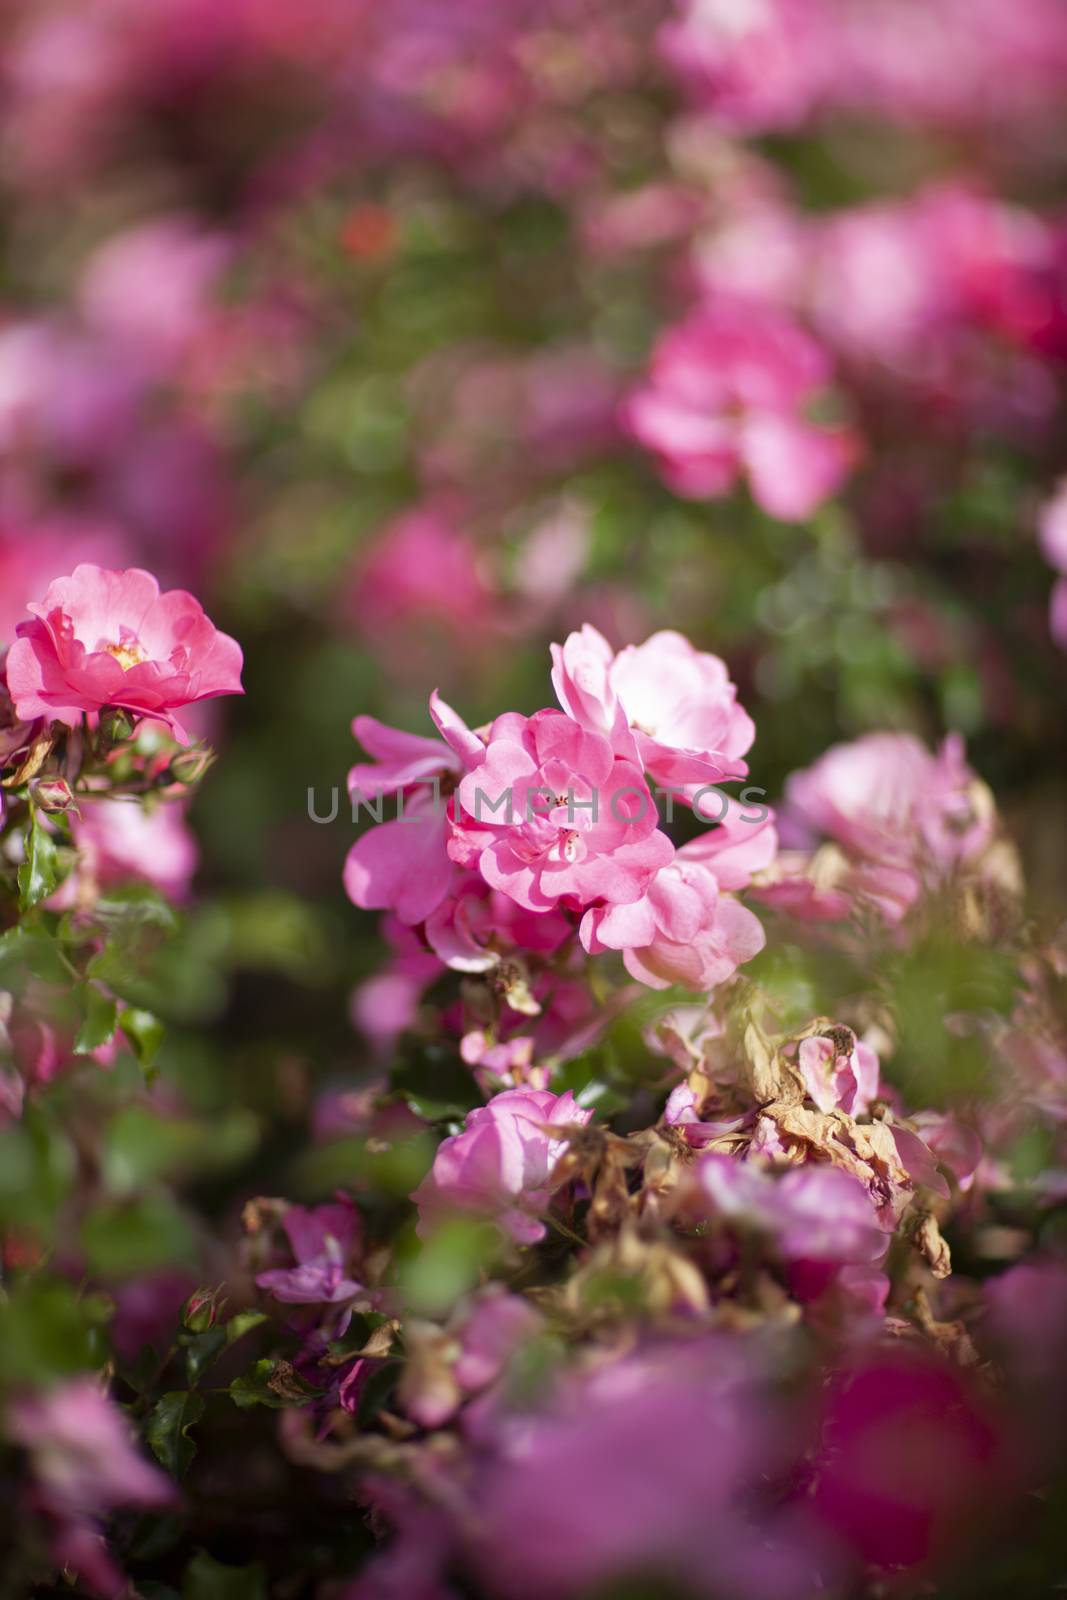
(201, 1349)
(47, 1333)
(243, 1323)
(144, 1032)
(207, 1579)
(142, 1147)
(168, 1430)
(100, 1016)
(39, 872)
(122, 1240)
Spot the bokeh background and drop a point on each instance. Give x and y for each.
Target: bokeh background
(332, 312)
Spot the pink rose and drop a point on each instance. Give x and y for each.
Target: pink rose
(727, 393)
(501, 1165)
(103, 638)
(553, 813)
(663, 705)
(680, 931)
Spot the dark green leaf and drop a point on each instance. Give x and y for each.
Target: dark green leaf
(168, 1430)
(207, 1579)
(39, 872)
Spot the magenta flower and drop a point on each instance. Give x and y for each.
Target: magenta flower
(103, 638)
(323, 1240)
(657, 1464)
(501, 1165)
(557, 815)
(727, 393)
(680, 931)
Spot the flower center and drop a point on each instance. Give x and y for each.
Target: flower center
(126, 650)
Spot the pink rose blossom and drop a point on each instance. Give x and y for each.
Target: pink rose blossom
(903, 817)
(673, 705)
(556, 814)
(727, 393)
(102, 638)
(680, 931)
(501, 1165)
(403, 865)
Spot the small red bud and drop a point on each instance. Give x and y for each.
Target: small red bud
(51, 794)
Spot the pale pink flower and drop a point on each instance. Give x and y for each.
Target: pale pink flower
(102, 638)
(153, 287)
(680, 931)
(727, 393)
(761, 64)
(670, 708)
(501, 1165)
(552, 814)
(1052, 535)
(904, 817)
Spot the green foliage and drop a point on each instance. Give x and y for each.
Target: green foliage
(167, 1430)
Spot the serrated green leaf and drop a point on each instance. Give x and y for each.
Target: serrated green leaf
(39, 873)
(168, 1427)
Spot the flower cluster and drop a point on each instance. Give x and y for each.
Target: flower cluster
(539, 831)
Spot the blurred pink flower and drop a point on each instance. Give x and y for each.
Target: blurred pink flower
(323, 1240)
(102, 638)
(727, 392)
(909, 1458)
(501, 1165)
(121, 841)
(421, 566)
(85, 1466)
(812, 1213)
(651, 1466)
